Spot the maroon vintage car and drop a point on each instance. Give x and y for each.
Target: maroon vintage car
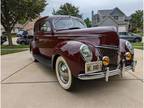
(77, 52)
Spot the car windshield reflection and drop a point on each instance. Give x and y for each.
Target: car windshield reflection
(68, 23)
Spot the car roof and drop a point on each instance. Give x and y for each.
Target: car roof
(56, 16)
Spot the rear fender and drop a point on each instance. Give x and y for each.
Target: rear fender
(33, 48)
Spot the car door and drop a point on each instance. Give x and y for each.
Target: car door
(44, 38)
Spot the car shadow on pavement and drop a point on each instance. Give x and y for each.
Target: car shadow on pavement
(90, 85)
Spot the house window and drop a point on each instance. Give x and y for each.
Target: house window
(116, 17)
(97, 19)
(103, 17)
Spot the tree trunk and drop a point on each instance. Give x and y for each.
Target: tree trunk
(9, 39)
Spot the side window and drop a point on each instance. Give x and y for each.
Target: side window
(45, 27)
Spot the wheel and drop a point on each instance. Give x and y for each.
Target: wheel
(137, 40)
(23, 43)
(63, 73)
(33, 58)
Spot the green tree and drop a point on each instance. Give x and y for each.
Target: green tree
(136, 21)
(67, 9)
(19, 10)
(88, 22)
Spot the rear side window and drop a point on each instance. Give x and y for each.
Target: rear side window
(45, 27)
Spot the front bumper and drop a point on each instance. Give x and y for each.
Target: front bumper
(106, 74)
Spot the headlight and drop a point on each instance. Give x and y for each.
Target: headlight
(86, 53)
(105, 60)
(128, 56)
(129, 46)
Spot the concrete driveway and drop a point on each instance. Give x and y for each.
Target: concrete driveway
(26, 84)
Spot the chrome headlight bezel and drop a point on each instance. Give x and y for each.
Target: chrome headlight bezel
(129, 46)
(86, 53)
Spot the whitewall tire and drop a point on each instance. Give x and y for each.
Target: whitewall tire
(63, 73)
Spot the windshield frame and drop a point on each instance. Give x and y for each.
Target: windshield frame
(72, 18)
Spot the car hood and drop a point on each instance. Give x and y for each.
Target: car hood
(94, 36)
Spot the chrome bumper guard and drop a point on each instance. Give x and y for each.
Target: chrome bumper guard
(106, 74)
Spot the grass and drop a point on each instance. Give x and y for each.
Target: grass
(14, 46)
(138, 45)
(4, 52)
(139, 33)
(5, 49)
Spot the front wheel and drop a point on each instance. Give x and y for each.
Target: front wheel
(63, 73)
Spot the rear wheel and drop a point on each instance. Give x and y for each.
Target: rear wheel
(33, 58)
(63, 73)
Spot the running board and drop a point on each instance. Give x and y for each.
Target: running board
(43, 60)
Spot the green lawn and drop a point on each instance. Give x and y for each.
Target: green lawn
(139, 33)
(3, 52)
(138, 45)
(14, 46)
(5, 49)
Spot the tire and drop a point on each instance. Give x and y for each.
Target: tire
(23, 43)
(61, 67)
(33, 58)
(137, 40)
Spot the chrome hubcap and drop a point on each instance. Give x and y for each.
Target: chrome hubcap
(63, 72)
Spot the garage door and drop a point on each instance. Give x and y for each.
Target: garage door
(122, 29)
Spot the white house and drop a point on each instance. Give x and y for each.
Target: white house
(114, 17)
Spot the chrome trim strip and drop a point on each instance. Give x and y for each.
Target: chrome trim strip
(106, 74)
(99, 75)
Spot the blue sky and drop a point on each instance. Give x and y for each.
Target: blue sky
(86, 6)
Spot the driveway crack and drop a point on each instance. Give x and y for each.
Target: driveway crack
(136, 77)
(36, 82)
(16, 72)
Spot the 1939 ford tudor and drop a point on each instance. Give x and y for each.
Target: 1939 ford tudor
(77, 52)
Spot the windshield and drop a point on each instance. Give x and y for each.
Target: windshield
(20, 32)
(68, 23)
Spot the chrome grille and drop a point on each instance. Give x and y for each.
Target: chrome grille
(112, 53)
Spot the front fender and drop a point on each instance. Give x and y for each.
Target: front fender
(123, 50)
(123, 47)
(70, 50)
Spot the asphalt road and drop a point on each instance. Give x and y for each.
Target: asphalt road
(26, 84)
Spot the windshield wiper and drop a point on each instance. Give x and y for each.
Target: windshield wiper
(68, 28)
